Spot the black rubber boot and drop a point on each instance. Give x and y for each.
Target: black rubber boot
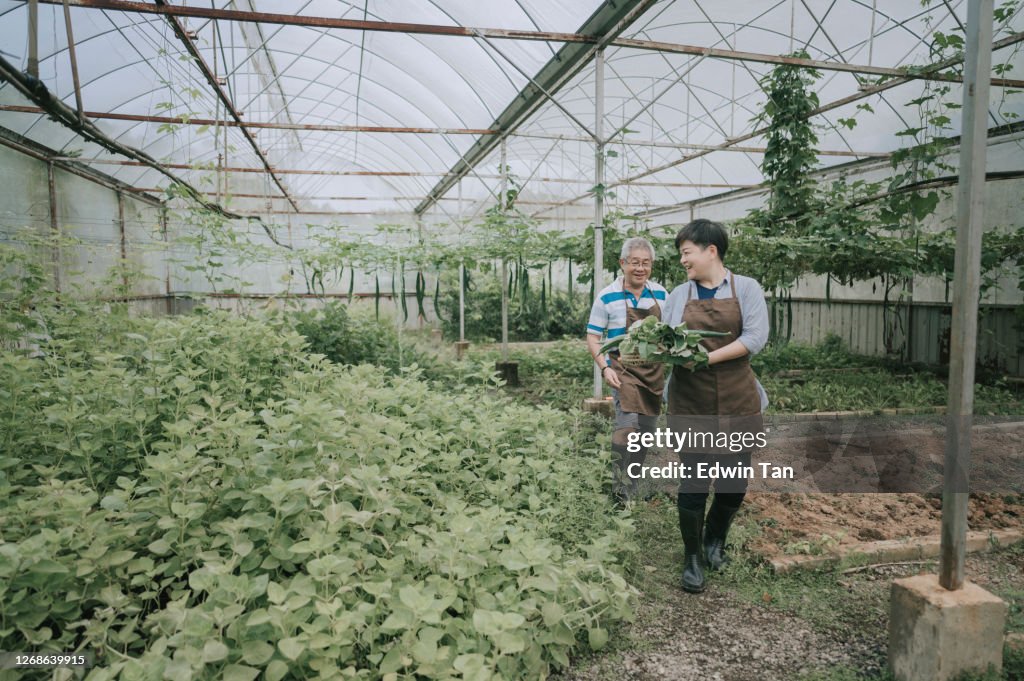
(621, 489)
(691, 522)
(716, 529)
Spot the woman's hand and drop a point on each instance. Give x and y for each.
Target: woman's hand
(725, 353)
(612, 377)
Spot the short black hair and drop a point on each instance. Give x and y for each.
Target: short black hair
(705, 233)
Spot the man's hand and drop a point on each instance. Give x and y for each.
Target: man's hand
(612, 377)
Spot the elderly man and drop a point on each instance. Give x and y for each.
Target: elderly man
(637, 390)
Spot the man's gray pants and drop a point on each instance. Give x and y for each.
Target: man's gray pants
(626, 422)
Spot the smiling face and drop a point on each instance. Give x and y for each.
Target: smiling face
(700, 263)
(636, 268)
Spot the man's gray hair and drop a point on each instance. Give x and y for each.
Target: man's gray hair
(633, 243)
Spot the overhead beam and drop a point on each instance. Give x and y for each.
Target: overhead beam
(326, 22)
(159, 190)
(212, 81)
(627, 142)
(255, 214)
(180, 120)
(582, 36)
(171, 120)
(392, 173)
(859, 69)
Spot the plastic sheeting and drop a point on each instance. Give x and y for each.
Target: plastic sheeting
(665, 106)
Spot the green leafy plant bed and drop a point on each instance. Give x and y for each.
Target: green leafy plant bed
(877, 389)
(561, 375)
(199, 497)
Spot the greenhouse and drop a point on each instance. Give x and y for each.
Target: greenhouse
(380, 340)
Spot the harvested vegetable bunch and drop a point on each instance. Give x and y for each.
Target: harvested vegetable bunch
(651, 340)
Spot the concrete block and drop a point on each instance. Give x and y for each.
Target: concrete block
(509, 372)
(935, 634)
(461, 348)
(605, 407)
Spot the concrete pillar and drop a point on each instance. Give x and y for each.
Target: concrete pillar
(936, 634)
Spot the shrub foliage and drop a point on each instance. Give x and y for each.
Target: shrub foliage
(200, 497)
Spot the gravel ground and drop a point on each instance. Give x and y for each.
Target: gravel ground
(714, 636)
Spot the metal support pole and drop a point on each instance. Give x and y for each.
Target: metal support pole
(967, 280)
(504, 260)
(462, 276)
(732, 98)
(599, 194)
(167, 261)
(33, 38)
(54, 226)
(74, 60)
(871, 32)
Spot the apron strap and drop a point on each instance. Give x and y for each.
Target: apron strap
(732, 284)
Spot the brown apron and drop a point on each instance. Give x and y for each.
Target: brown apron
(727, 389)
(642, 386)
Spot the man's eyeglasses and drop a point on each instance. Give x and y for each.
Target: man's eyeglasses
(633, 262)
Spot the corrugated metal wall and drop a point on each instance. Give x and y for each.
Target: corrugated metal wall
(861, 326)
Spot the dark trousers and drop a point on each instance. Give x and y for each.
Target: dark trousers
(729, 492)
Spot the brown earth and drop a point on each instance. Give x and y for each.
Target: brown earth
(809, 523)
(840, 468)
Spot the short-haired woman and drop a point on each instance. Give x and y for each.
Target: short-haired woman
(714, 298)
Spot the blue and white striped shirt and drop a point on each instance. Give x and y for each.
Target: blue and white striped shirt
(608, 315)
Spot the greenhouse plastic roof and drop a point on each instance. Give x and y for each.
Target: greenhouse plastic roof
(675, 107)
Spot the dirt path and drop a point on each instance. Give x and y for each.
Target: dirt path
(714, 636)
(751, 625)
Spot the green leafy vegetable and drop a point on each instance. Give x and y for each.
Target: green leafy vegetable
(652, 340)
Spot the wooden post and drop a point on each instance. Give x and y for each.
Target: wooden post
(504, 260)
(967, 281)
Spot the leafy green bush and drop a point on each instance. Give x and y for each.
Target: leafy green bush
(347, 338)
(198, 497)
(533, 315)
(830, 353)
